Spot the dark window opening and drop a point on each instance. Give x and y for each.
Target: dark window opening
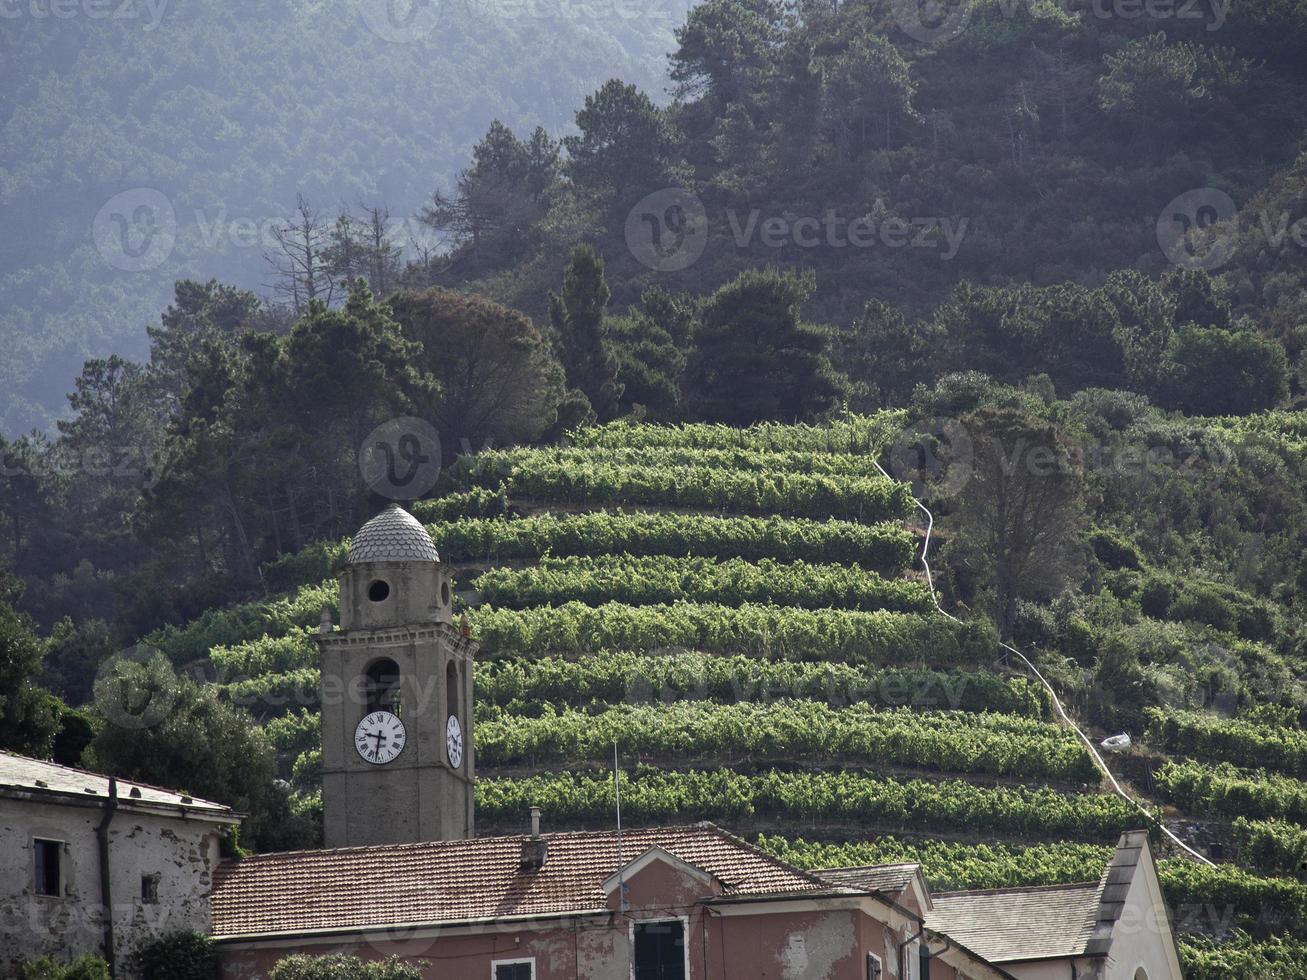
(451, 690)
(873, 967)
(444, 593)
(383, 686)
(659, 951)
(150, 889)
(49, 877)
(514, 971)
(379, 591)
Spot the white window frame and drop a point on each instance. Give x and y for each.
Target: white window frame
(61, 847)
(525, 960)
(684, 920)
(880, 965)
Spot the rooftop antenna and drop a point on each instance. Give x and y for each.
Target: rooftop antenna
(621, 882)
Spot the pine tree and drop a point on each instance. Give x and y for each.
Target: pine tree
(578, 319)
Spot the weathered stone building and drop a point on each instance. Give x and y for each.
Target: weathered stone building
(90, 864)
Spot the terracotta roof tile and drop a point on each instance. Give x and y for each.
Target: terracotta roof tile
(437, 881)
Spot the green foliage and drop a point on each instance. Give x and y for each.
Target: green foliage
(1276, 958)
(526, 685)
(854, 434)
(577, 317)
(1273, 846)
(737, 491)
(29, 715)
(165, 730)
(222, 627)
(486, 464)
(179, 956)
(655, 796)
(952, 866)
(1226, 792)
(87, 967)
(766, 631)
(1114, 550)
(1225, 372)
(988, 743)
(733, 582)
(1241, 742)
(884, 547)
(755, 359)
(496, 378)
(339, 966)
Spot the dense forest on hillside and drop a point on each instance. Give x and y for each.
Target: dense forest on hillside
(660, 475)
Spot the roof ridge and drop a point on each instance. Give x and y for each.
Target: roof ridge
(468, 841)
(1063, 886)
(120, 779)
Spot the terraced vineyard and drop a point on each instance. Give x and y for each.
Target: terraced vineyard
(739, 611)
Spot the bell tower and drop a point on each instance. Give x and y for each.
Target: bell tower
(397, 760)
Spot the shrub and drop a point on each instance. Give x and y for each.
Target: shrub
(86, 967)
(178, 956)
(337, 966)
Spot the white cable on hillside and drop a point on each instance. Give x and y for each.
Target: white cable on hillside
(1057, 702)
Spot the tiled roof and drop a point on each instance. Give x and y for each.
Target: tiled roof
(1006, 925)
(18, 772)
(889, 879)
(442, 881)
(393, 535)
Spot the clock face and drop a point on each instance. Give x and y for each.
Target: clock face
(454, 742)
(379, 737)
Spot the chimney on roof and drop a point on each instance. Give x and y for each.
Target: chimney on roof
(535, 847)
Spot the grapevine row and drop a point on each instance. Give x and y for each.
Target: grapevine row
(884, 547)
(734, 491)
(1240, 742)
(771, 632)
(855, 434)
(1003, 745)
(666, 797)
(664, 579)
(485, 466)
(624, 676)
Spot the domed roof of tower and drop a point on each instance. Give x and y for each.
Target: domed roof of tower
(393, 535)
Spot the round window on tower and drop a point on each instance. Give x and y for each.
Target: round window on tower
(379, 591)
(444, 593)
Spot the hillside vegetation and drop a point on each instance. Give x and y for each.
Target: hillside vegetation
(787, 697)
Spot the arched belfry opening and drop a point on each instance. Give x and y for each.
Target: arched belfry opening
(452, 688)
(381, 687)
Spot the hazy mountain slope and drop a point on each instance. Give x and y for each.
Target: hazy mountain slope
(211, 119)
